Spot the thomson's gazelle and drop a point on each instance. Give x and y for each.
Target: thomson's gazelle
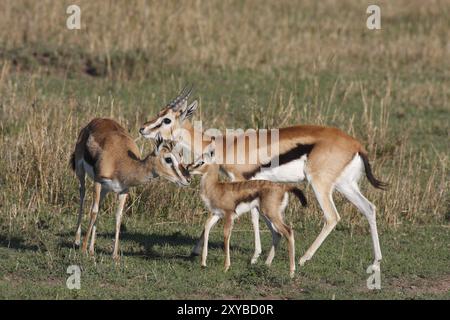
(108, 154)
(231, 199)
(328, 158)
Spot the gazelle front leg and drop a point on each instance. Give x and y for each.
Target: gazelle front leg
(119, 213)
(200, 242)
(212, 220)
(228, 226)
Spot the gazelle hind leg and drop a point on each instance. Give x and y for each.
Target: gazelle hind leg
(275, 241)
(119, 213)
(323, 194)
(351, 191)
(81, 174)
(93, 216)
(288, 233)
(94, 228)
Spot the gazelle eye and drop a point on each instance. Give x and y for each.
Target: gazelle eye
(200, 163)
(168, 160)
(167, 121)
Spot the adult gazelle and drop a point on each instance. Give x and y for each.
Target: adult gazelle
(326, 157)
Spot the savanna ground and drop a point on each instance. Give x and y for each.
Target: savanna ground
(254, 64)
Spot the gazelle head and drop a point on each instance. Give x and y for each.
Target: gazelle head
(170, 119)
(169, 162)
(201, 164)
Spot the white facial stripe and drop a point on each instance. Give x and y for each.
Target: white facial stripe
(156, 124)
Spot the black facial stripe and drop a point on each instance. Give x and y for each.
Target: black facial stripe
(159, 125)
(133, 156)
(284, 158)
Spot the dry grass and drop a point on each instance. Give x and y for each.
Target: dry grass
(286, 63)
(259, 35)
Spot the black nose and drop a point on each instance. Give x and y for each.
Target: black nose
(141, 130)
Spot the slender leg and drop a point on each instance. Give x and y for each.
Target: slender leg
(199, 245)
(288, 233)
(212, 220)
(82, 178)
(275, 240)
(291, 248)
(352, 193)
(94, 228)
(93, 215)
(119, 212)
(324, 196)
(227, 234)
(255, 222)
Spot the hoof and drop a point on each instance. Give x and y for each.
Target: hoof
(302, 261)
(255, 258)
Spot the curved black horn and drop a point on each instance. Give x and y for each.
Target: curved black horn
(181, 98)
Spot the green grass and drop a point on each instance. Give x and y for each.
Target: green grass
(254, 65)
(155, 263)
(36, 235)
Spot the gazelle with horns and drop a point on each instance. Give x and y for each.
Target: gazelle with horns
(108, 154)
(327, 157)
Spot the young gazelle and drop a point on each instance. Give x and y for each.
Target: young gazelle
(232, 199)
(108, 154)
(327, 157)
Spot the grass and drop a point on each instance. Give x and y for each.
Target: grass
(253, 64)
(155, 264)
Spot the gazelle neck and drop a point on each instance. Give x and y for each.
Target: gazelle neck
(210, 178)
(144, 170)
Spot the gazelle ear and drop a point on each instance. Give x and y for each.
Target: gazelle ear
(158, 143)
(189, 110)
(210, 153)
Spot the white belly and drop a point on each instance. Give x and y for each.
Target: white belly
(244, 207)
(112, 185)
(293, 171)
(107, 184)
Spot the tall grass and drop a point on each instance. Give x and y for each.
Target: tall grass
(255, 63)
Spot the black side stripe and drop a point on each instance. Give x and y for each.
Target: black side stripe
(293, 154)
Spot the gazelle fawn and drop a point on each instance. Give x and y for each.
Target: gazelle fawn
(108, 154)
(229, 200)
